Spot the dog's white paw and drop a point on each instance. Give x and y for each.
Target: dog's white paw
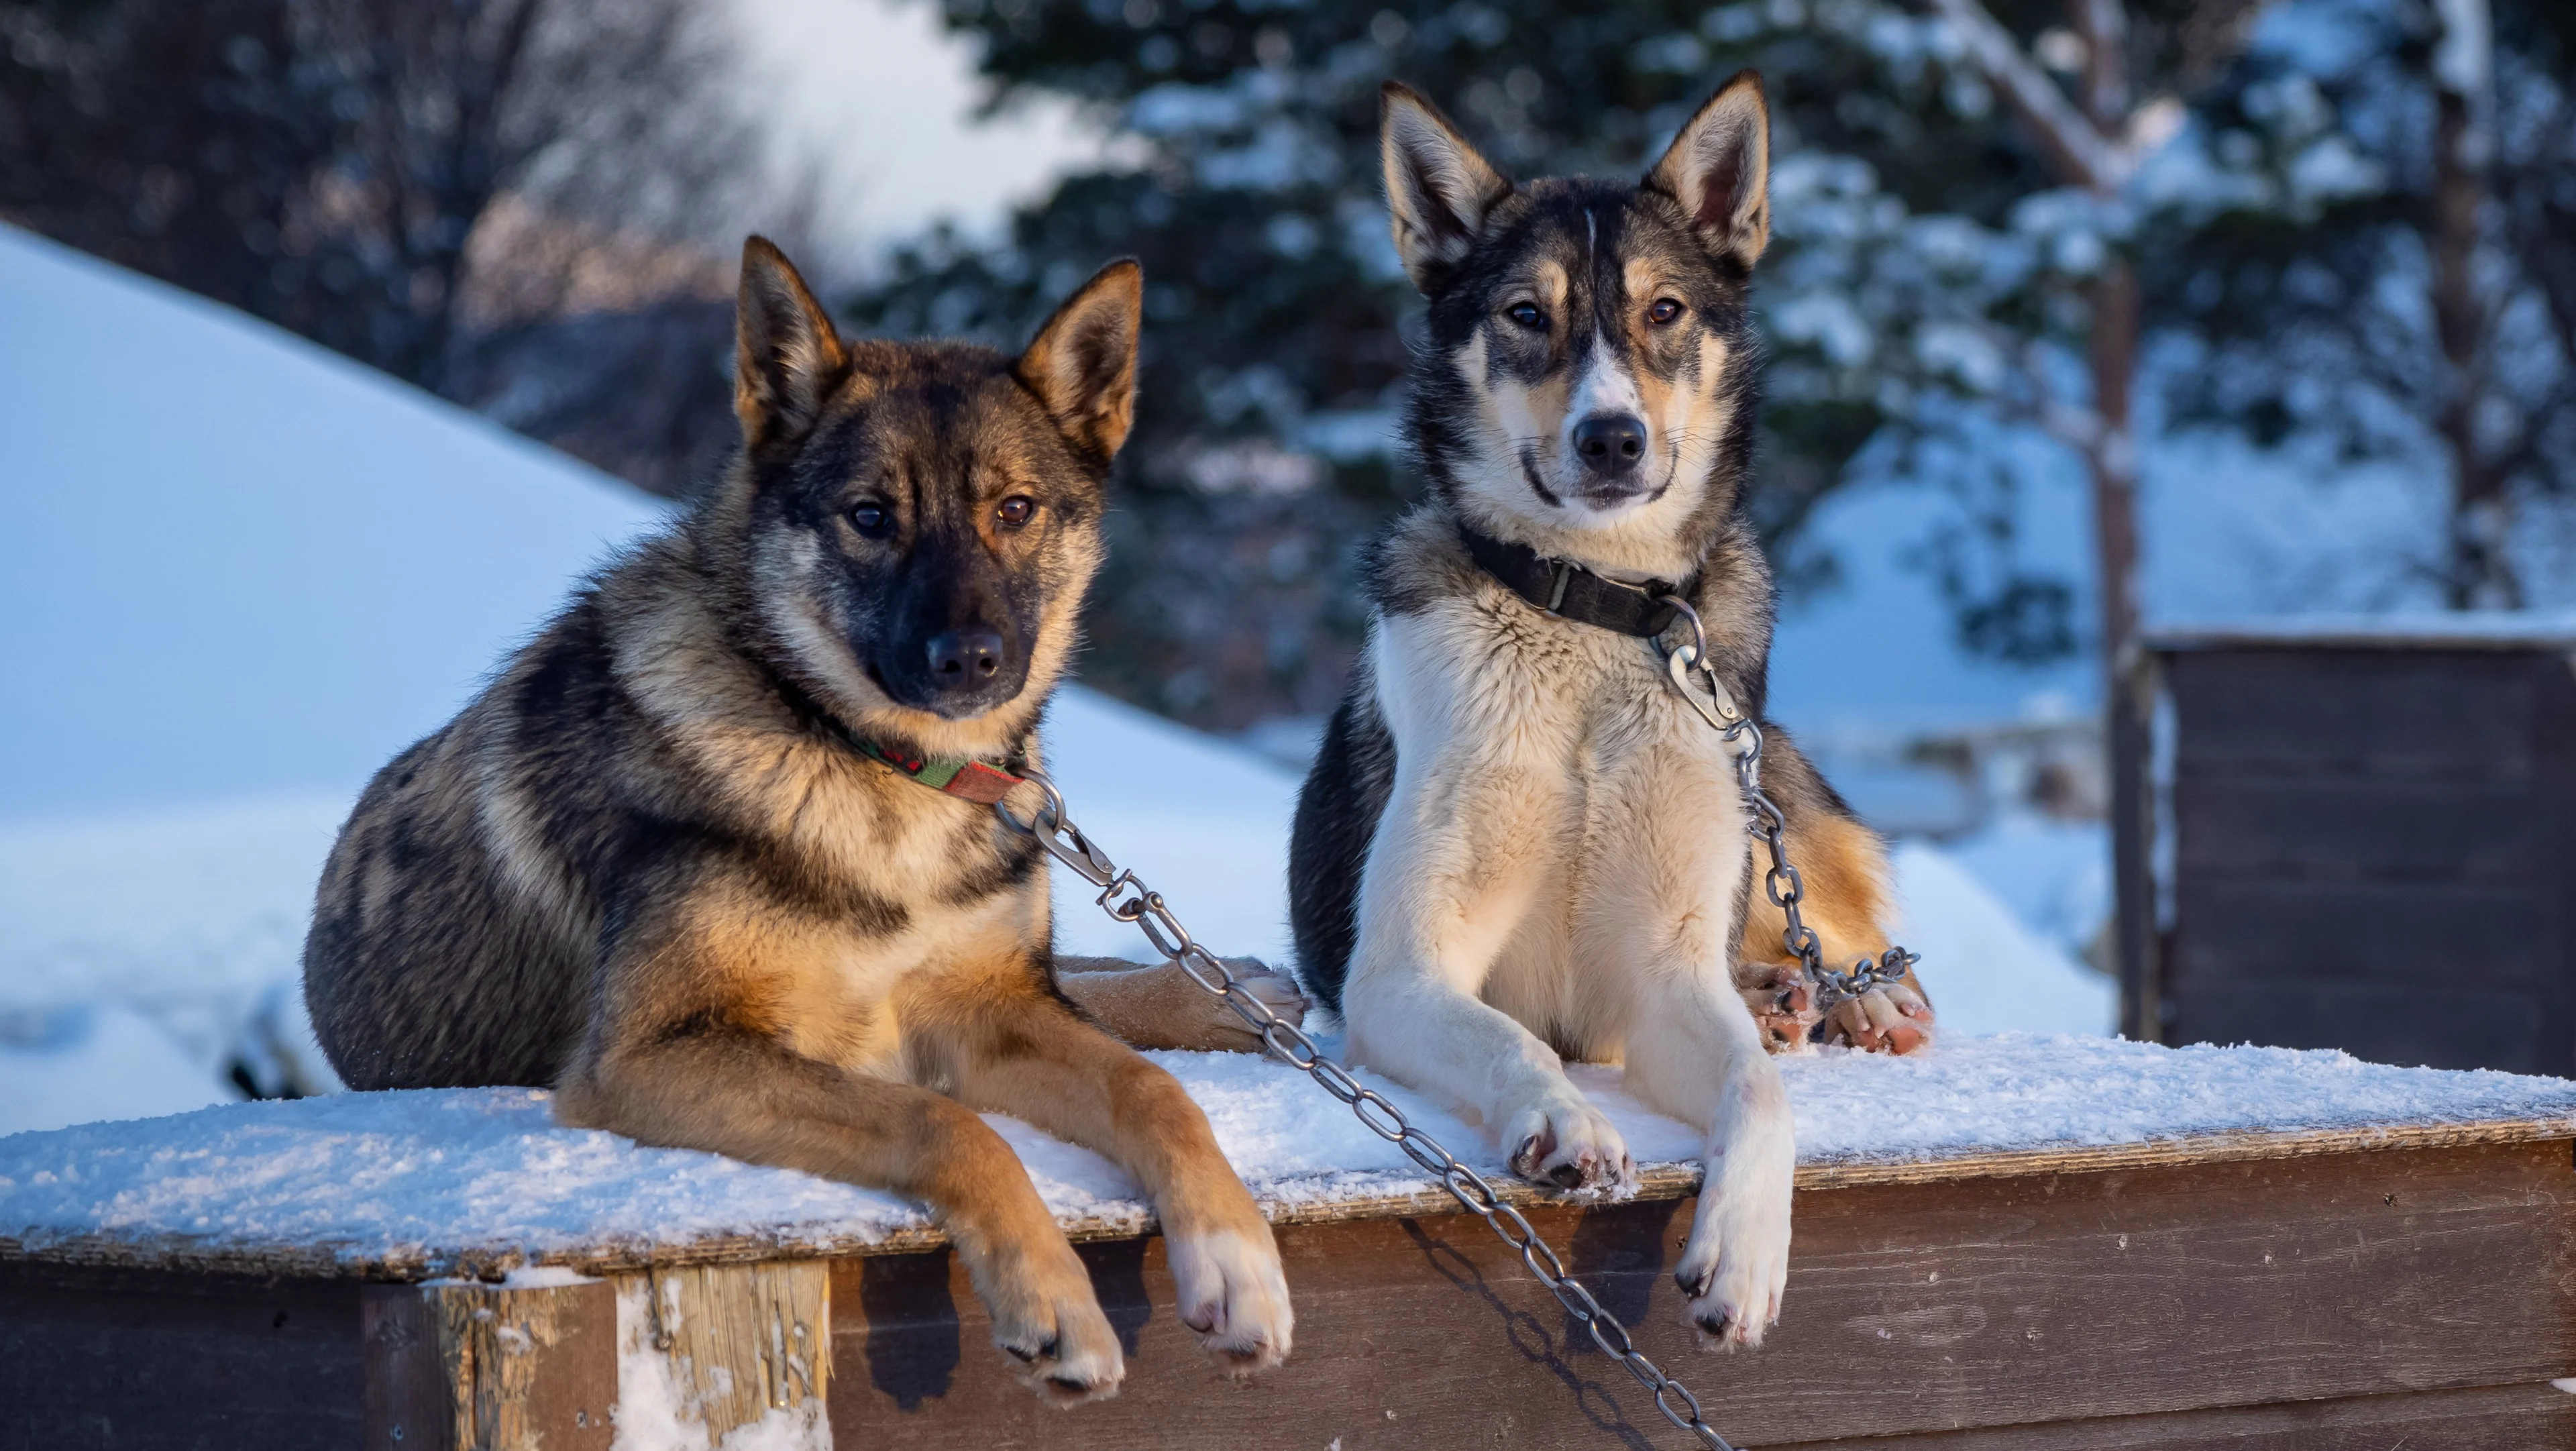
(1064, 1346)
(1565, 1141)
(1235, 1295)
(1892, 1018)
(1736, 1265)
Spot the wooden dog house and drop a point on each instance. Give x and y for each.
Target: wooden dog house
(2353, 834)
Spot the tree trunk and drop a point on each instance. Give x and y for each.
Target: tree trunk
(2112, 457)
(2477, 570)
(2112, 460)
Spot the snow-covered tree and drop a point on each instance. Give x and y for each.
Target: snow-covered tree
(1985, 209)
(2375, 212)
(1931, 279)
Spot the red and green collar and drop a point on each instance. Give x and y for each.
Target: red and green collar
(961, 776)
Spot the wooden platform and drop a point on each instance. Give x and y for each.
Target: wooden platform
(2363, 1288)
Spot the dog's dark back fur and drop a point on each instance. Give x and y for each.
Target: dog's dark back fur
(685, 725)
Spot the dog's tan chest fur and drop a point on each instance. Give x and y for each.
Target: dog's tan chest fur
(1560, 755)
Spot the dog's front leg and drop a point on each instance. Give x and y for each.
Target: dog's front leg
(686, 1072)
(1660, 934)
(1694, 1054)
(1462, 856)
(1026, 1056)
(1159, 1006)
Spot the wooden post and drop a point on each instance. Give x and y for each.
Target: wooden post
(676, 1358)
(462, 1366)
(2134, 815)
(710, 1349)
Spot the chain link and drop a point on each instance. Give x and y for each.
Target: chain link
(1781, 883)
(1054, 830)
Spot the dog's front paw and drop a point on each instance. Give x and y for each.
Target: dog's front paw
(1892, 1018)
(1161, 1006)
(1782, 1004)
(1736, 1266)
(1276, 990)
(1049, 1322)
(1234, 1294)
(1567, 1142)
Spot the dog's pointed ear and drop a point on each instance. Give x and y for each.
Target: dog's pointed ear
(1438, 190)
(1719, 169)
(787, 356)
(1082, 364)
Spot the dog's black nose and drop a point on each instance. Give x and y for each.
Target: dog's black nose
(1610, 443)
(966, 659)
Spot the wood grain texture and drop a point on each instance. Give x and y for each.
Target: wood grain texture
(472, 1367)
(2457, 935)
(1911, 1308)
(2490, 1418)
(2284, 714)
(126, 1360)
(2360, 830)
(739, 1341)
(2373, 849)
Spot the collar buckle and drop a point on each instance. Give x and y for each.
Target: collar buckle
(1562, 572)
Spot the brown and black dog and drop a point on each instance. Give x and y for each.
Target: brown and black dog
(664, 864)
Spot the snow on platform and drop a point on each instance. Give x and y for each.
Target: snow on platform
(453, 1181)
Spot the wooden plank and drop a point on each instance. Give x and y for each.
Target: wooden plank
(734, 1346)
(1951, 1306)
(133, 1360)
(2491, 1418)
(461, 1366)
(2359, 830)
(2231, 930)
(2300, 713)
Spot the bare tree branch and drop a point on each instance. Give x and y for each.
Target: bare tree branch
(2083, 155)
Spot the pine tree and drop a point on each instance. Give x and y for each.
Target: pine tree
(1931, 275)
(2375, 218)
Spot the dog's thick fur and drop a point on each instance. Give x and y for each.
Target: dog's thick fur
(648, 867)
(1516, 842)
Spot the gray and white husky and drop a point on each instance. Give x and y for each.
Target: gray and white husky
(1516, 842)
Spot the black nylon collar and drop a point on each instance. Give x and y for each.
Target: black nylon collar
(1567, 590)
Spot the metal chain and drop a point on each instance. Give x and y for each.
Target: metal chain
(1054, 830)
(1781, 883)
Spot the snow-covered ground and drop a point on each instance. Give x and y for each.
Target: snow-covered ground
(226, 609)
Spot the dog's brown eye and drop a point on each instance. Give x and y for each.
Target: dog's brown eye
(1016, 511)
(872, 521)
(1526, 314)
(1664, 311)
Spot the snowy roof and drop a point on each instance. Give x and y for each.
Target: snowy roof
(469, 1181)
(2461, 629)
